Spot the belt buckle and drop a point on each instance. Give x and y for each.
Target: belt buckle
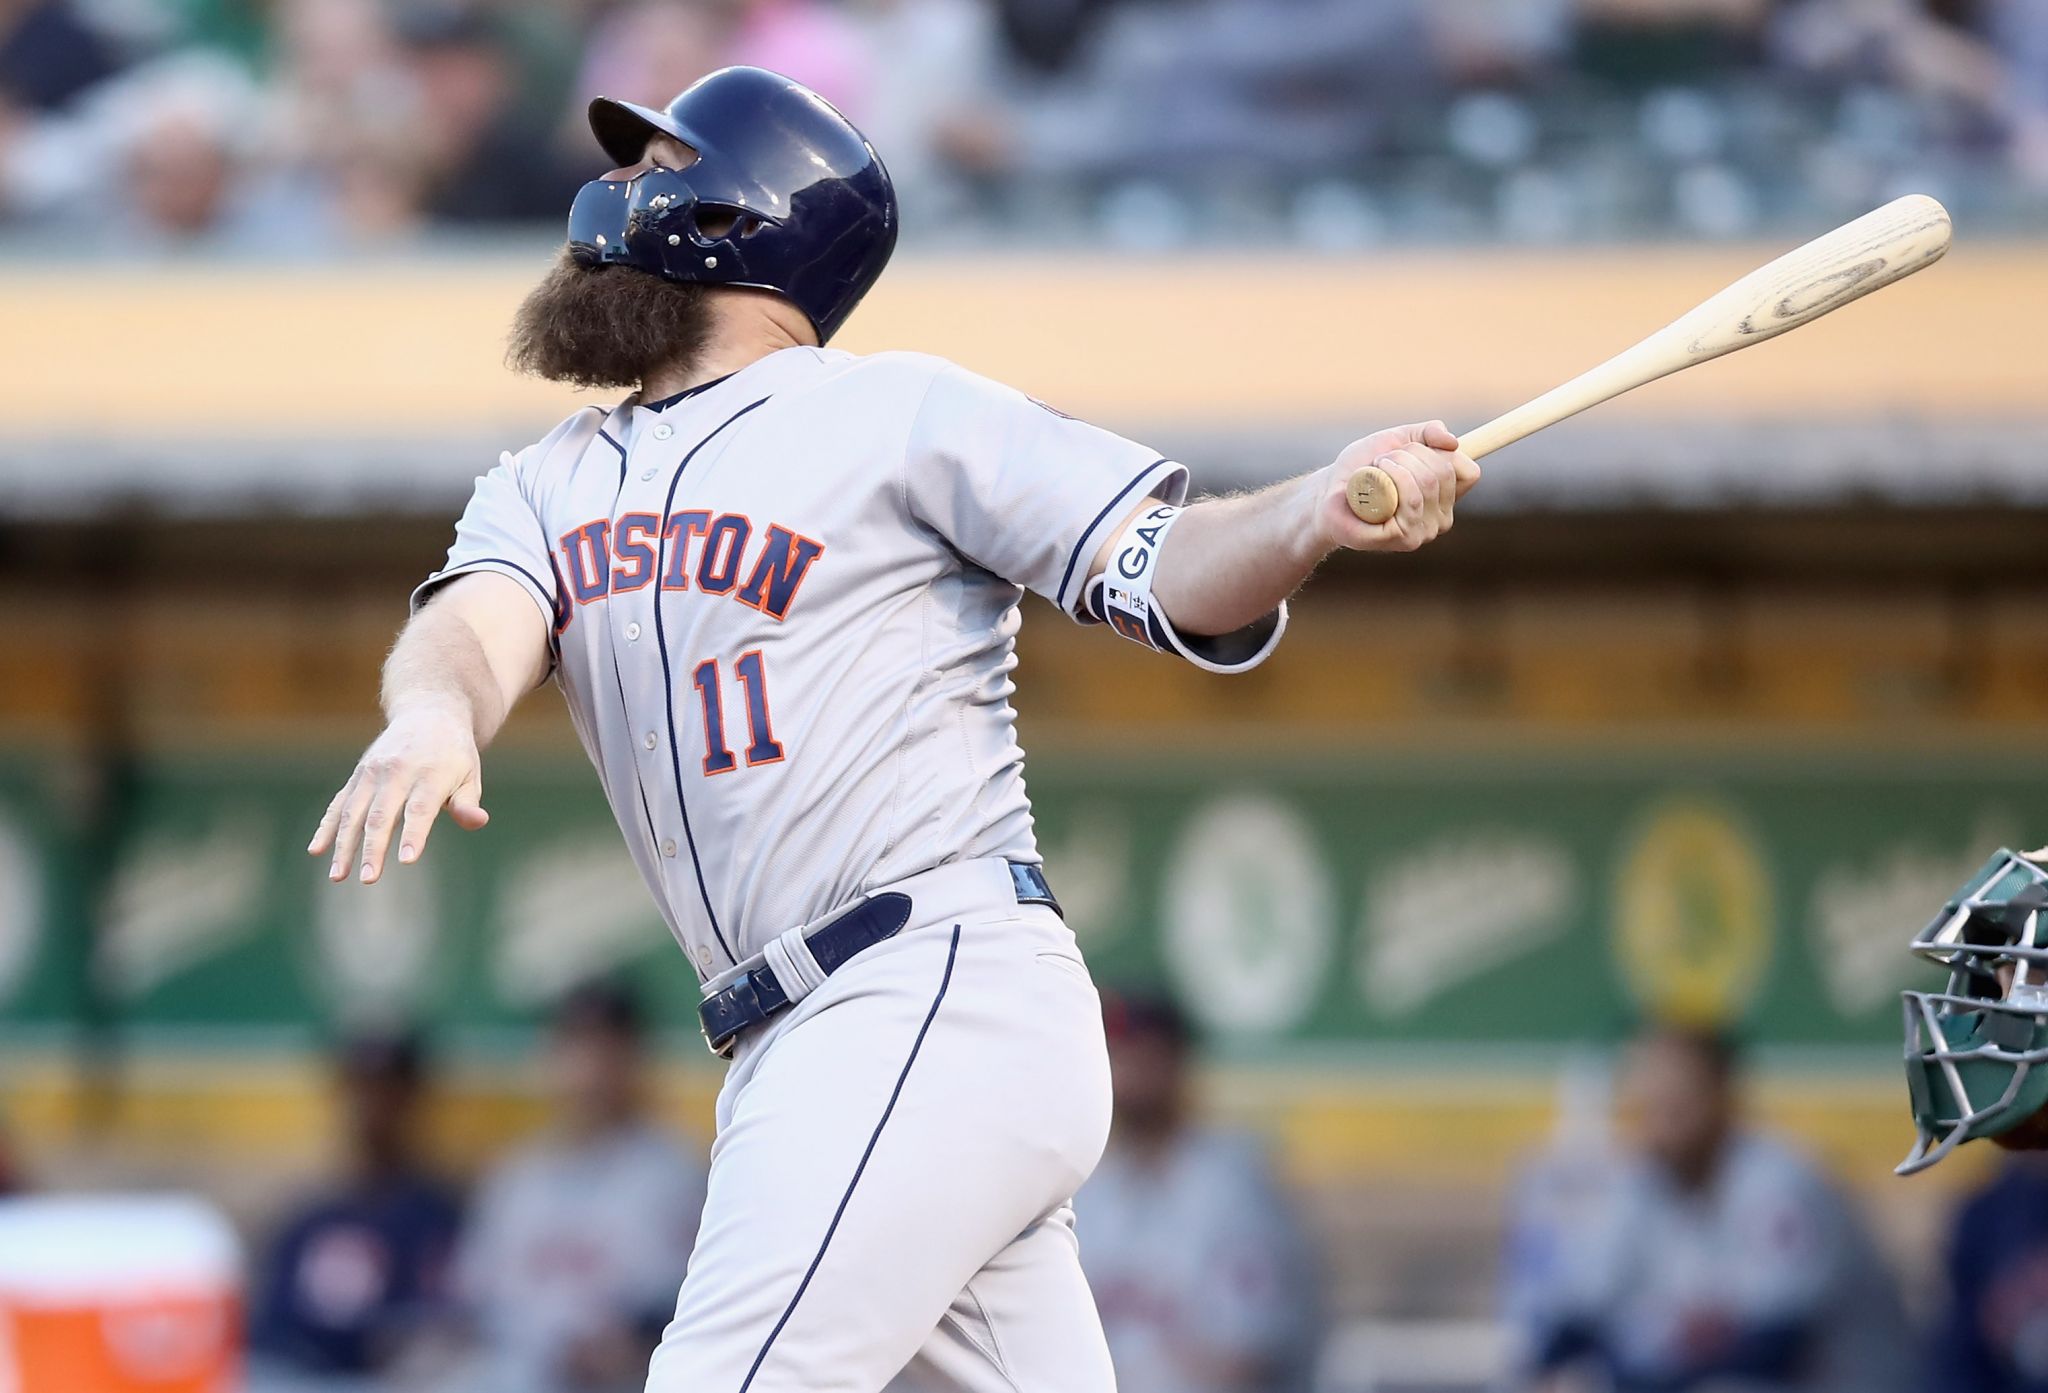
(723, 1051)
(724, 1014)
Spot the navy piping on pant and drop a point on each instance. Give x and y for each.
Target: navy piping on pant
(952, 952)
(668, 682)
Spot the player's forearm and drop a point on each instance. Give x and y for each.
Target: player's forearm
(1230, 561)
(439, 662)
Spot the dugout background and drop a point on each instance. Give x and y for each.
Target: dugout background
(1707, 703)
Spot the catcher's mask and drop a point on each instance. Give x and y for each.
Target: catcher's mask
(1977, 1053)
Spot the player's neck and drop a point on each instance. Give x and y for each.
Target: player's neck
(746, 326)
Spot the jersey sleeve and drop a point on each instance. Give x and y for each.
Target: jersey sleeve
(1021, 489)
(500, 531)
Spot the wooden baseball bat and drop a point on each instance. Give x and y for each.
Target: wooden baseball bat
(1868, 254)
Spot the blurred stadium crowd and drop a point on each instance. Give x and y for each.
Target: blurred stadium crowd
(303, 127)
(1686, 1249)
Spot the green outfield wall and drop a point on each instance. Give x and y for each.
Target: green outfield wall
(1296, 903)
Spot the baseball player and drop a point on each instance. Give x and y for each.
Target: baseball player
(778, 586)
(1200, 1268)
(575, 1242)
(1975, 1050)
(1706, 1256)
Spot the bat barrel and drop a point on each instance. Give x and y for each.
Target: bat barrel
(1906, 235)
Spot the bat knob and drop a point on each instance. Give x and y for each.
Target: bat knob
(1374, 495)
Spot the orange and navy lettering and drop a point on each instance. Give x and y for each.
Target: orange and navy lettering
(726, 538)
(785, 560)
(681, 527)
(587, 549)
(611, 557)
(633, 538)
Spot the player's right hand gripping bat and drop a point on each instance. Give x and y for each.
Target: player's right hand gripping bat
(1865, 255)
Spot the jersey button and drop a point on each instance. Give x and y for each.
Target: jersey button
(632, 632)
(664, 431)
(668, 848)
(650, 742)
(645, 475)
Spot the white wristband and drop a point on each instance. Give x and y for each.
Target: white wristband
(1121, 597)
(1126, 582)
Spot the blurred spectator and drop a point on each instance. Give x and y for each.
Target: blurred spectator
(181, 166)
(49, 54)
(1045, 35)
(1706, 1257)
(579, 1242)
(166, 157)
(358, 1268)
(2018, 29)
(649, 50)
(1905, 43)
(1203, 1277)
(1493, 41)
(1218, 90)
(341, 112)
(1148, 123)
(1640, 44)
(1993, 1337)
(646, 51)
(938, 120)
(488, 157)
(813, 42)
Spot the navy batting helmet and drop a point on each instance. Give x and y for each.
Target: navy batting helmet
(795, 199)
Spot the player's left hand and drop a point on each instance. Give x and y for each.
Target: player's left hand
(1424, 462)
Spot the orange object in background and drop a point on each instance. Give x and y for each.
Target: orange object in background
(118, 1295)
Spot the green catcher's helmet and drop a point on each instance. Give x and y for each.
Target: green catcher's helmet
(1977, 1053)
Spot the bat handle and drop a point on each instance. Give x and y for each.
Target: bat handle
(1374, 495)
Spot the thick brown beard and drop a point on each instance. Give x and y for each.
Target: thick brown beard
(606, 326)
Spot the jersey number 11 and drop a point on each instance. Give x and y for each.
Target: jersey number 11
(762, 747)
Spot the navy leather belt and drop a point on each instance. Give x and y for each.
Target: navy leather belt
(758, 993)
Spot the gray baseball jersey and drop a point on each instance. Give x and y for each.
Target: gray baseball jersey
(783, 608)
